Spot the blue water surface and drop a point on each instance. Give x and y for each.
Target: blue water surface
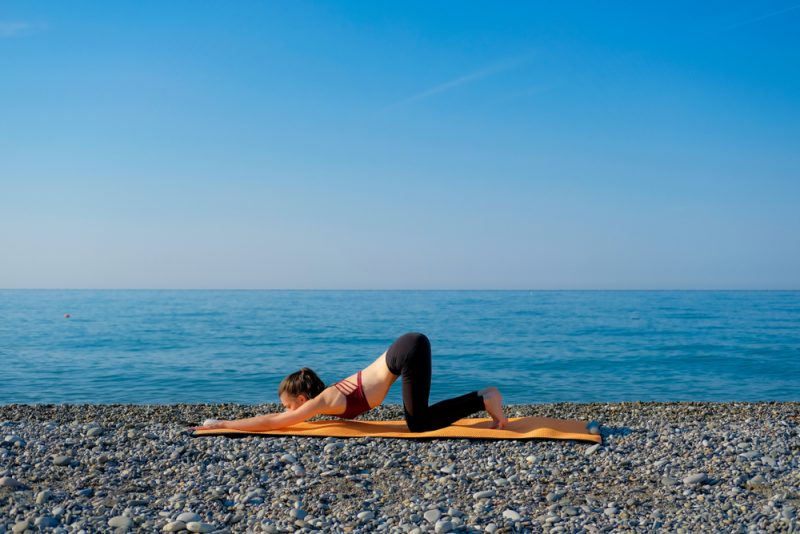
(147, 347)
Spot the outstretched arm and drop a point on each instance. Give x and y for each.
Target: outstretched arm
(271, 421)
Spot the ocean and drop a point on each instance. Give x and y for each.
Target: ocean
(153, 347)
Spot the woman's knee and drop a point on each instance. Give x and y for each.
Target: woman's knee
(417, 424)
(416, 342)
(414, 339)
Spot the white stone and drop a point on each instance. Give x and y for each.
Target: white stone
(484, 494)
(694, 479)
(188, 517)
(511, 515)
(591, 450)
(196, 526)
(120, 521)
(443, 526)
(432, 516)
(174, 526)
(365, 516)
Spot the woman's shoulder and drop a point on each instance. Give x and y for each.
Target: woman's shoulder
(330, 401)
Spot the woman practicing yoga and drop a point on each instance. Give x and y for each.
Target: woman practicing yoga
(304, 395)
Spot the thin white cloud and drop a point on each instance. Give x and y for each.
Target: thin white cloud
(761, 17)
(491, 70)
(10, 28)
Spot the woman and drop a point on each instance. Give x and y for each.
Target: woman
(304, 395)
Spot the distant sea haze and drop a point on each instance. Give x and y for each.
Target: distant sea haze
(148, 347)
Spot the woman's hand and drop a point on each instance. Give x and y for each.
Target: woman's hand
(211, 424)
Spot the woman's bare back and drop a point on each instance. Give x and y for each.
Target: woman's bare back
(376, 379)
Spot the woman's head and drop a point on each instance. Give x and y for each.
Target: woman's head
(299, 387)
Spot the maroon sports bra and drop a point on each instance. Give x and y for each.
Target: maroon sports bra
(354, 394)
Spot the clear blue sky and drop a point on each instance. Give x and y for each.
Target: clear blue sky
(187, 144)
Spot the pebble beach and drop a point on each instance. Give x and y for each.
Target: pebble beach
(676, 467)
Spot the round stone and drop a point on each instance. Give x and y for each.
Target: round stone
(120, 521)
(298, 470)
(197, 526)
(695, 479)
(365, 516)
(61, 460)
(486, 494)
(511, 515)
(443, 526)
(189, 517)
(174, 526)
(20, 526)
(94, 432)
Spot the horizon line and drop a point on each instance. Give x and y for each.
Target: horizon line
(391, 289)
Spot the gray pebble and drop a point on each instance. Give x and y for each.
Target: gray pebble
(61, 460)
(20, 526)
(189, 517)
(46, 521)
(298, 470)
(366, 516)
(8, 482)
(511, 515)
(486, 494)
(432, 516)
(120, 521)
(443, 526)
(591, 450)
(174, 526)
(197, 526)
(695, 479)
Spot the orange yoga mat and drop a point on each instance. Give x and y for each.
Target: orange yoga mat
(517, 428)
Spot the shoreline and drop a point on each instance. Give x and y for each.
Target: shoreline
(677, 466)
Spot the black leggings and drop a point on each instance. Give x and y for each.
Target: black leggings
(410, 356)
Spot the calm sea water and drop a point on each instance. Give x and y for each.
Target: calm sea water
(536, 346)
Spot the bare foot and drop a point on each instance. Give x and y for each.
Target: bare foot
(493, 401)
